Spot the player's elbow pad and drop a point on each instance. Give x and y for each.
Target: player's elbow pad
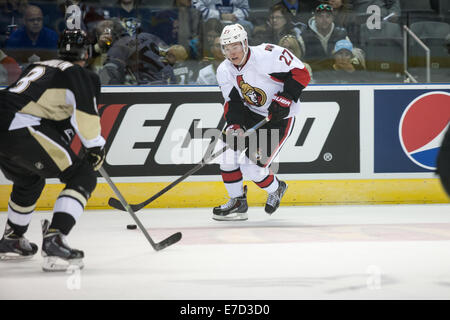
(294, 82)
(292, 89)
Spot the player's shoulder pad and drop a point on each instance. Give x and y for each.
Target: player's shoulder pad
(81, 75)
(268, 49)
(223, 66)
(267, 56)
(74, 68)
(223, 70)
(93, 76)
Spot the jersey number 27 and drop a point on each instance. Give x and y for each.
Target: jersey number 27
(287, 57)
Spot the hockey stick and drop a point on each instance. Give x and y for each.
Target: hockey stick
(136, 207)
(157, 246)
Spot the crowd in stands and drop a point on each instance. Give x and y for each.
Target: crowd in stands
(177, 42)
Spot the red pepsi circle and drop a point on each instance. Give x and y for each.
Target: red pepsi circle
(422, 127)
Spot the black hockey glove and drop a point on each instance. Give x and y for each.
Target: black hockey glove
(95, 156)
(279, 108)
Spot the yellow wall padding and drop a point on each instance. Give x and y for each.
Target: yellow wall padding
(210, 194)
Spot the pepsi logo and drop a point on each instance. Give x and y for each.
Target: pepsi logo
(422, 127)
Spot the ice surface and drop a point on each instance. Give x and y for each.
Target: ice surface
(307, 252)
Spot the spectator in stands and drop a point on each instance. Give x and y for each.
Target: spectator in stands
(208, 70)
(344, 57)
(178, 25)
(342, 12)
(200, 47)
(137, 62)
(33, 40)
(15, 8)
(347, 67)
(11, 13)
(390, 9)
(11, 17)
(277, 26)
(227, 11)
(291, 43)
(55, 14)
(134, 18)
(107, 32)
(183, 70)
(345, 18)
(320, 37)
(300, 10)
(9, 69)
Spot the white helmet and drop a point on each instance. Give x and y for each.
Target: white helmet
(234, 33)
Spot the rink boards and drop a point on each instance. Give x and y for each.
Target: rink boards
(350, 144)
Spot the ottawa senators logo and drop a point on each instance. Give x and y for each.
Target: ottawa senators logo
(254, 96)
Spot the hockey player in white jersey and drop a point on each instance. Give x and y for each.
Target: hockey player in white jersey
(256, 82)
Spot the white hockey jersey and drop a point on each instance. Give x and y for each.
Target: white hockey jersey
(257, 81)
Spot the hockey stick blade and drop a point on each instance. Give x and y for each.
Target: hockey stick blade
(174, 238)
(115, 203)
(168, 242)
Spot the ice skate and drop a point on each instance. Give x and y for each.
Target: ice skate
(274, 198)
(234, 210)
(58, 256)
(13, 247)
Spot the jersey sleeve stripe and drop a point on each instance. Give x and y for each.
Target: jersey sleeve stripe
(302, 76)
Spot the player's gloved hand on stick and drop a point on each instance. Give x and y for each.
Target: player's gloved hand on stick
(235, 137)
(234, 130)
(279, 108)
(95, 156)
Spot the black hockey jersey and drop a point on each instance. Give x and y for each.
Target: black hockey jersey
(56, 90)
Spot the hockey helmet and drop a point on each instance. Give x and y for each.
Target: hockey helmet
(73, 45)
(234, 33)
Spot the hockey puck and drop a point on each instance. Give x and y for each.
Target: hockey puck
(131, 226)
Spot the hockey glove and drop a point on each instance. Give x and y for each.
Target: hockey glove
(95, 156)
(233, 136)
(279, 108)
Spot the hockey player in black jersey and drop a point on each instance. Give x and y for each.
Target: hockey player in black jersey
(39, 115)
(443, 162)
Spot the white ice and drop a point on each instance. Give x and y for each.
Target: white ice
(307, 252)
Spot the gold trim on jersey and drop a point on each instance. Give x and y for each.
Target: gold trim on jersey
(74, 194)
(88, 124)
(56, 63)
(58, 154)
(51, 105)
(21, 209)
